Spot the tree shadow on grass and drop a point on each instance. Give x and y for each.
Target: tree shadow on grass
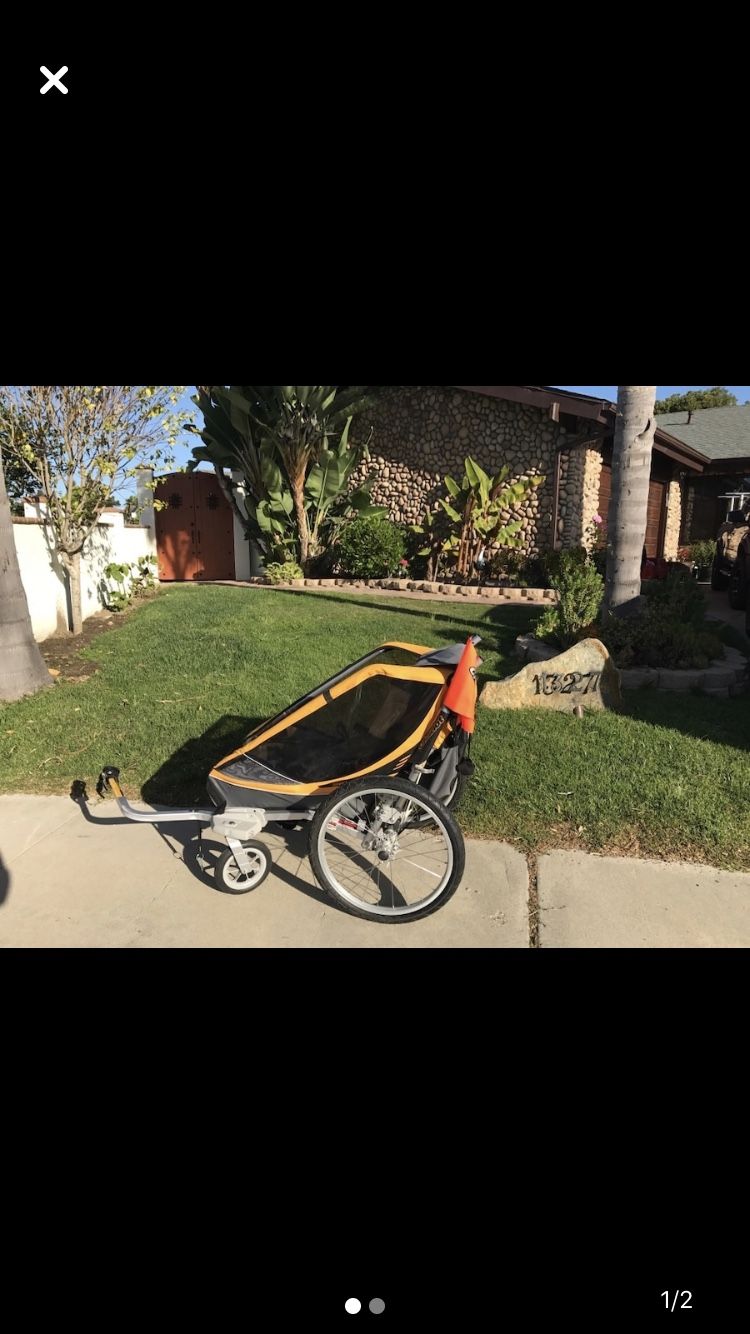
(505, 623)
(724, 722)
(181, 780)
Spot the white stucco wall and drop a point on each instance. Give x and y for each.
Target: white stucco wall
(43, 580)
(242, 568)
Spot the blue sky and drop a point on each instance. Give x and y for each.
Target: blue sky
(740, 391)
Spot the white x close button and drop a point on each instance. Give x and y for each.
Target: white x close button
(53, 79)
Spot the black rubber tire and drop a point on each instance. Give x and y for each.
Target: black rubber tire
(227, 858)
(402, 788)
(738, 587)
(719, 579)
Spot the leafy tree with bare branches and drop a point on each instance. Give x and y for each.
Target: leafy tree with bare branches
(78, 444)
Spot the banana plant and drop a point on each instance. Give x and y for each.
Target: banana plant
(433, 529)
(476, 506)
(329, 506)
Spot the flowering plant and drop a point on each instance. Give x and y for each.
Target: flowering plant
(595, 537)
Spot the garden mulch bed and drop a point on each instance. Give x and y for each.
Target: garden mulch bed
(61, 653)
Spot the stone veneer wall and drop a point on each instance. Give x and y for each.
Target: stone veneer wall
(674, 521)
(688, 503)
(423, 432)
(580, 478)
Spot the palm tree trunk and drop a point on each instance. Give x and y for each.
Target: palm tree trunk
(22, 669)
(631, 472)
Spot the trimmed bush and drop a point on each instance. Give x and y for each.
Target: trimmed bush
(702, 554)
(284, 574)
(581, 590)
(672, 631)
(677, 597)
(371, 549)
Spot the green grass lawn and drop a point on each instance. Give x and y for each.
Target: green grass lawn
(181, 681)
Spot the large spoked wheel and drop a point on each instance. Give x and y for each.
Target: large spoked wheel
(231, 880)
(385, 850)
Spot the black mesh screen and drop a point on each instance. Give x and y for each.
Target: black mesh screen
(351, 733)
(399, 657)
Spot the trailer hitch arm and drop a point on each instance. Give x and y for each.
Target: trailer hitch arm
(109, 782)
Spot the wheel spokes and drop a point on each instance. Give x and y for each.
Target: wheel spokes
(392, 866)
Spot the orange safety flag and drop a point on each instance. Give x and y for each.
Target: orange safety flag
(461, 695)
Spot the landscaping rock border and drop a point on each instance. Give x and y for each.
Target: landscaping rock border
(425, 588)
(723, 679)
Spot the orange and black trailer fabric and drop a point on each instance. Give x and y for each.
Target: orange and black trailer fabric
(370, 719)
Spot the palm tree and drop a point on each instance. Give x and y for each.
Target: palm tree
(22, 669)
(628, 515)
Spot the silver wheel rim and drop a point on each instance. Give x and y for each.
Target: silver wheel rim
(234, 878)
(416, 873)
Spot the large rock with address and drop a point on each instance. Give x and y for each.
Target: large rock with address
(584, 675)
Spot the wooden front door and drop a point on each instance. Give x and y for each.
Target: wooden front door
(194, 530)
(656, 521)
(657, 500)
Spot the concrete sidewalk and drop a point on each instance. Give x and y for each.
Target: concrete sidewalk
(88, 877)
(628, 903)
(73, 877)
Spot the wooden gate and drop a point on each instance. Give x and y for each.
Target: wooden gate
(195, 529)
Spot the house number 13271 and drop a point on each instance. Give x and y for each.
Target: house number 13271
(673, 1298)
(572, 683)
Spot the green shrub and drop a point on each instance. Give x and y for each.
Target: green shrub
(143, 574)
(647, 642)
(671, 631)
(414, 549)
(371, 549)
(546, 628)
(284, 574)
(119, 598)
(702, 553)
(507, 564)
(677, 597)
(599, 560)
(581, 593)
(536, 572)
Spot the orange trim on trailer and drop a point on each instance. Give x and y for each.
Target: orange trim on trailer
(430, 675)
(419, 649)
(309, 789)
